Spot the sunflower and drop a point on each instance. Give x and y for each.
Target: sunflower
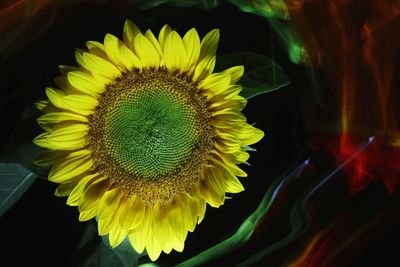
(142, 134)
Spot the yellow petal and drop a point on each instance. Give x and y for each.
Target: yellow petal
(250, 135)
(227, 165)
(87, 215)
(67, 138)
(135, 238)
(85, 83)
(112, 44)
(79, 57)
(174, 52)
(150, 36)
(229, 119)
(138, 238)
(105, 226)
(64, 190)
(238, 157)
(216, 180)
(175, 220)
(57, 117)
(176, 240)
(64, 69)
(202, 211)
(236, 73)
(156, 239)
(161, 226)
(204, 68)
(100, 66)
(232, 183)
(237, 103)
(231, 92)
(153, 248)
(96, 48)
(75, 164)
(76, 193)
(109, 203)
(209, 44)
(63, 83)
(164, 32)
(215, 84)
(146, 52)
(55, 96)
(133, 215)
(46, 128)
(49, 157)
(129, 59)
(161, 229)
(42, 104)
(227, 143)
(191, 41)
(116, 236)
(190, 211)
(81, 104)
(130, 33)
(212, 187)
(91, 196)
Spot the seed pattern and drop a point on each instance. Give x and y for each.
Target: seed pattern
(151, 134)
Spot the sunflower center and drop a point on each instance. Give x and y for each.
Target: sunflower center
(151, 134)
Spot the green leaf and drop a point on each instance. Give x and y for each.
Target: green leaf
(24, 154)
(14, 181)
(261, 74)
(18, 148)
(124, 254)
(89, 233)
(107, 258)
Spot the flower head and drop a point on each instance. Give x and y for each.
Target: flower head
(143, 134)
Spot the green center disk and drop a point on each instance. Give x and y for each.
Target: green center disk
(151, 133)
